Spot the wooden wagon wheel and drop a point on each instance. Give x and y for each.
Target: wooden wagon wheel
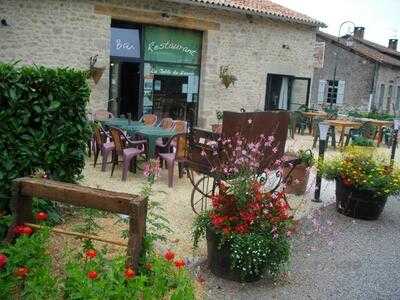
(202, 192)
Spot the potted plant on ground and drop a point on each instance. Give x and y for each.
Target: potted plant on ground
(363, 182)
(298, 179)
(217, 128)
(249, 225)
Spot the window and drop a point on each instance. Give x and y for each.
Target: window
(381, 96)
(389, 98)
(332, 91)
(398, 99)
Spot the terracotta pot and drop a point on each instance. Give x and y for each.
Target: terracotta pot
(359, 204)
(218, 259)
(96, 73)
(216, 128)
(298, 180)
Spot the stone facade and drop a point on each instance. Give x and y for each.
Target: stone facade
(67, 33)
(362, 76)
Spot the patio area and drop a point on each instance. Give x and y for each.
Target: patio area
(176, 201)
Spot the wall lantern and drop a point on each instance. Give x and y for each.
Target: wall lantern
(226, 77)
(95, 72)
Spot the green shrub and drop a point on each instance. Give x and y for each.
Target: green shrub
(43, 123)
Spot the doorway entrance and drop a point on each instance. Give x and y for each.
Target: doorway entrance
(286, 92)
(125, 88)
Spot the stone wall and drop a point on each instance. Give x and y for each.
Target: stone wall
(356, 71)
(67, 33)
(390, 78)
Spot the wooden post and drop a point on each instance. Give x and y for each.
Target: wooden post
(137, 230)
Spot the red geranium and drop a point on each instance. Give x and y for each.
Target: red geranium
(26, 230)
(129, 273)
(22, 272)
(3, 260)
(218, 221)
(241, 228)
(91, 253)
(92, 275)
(41, 216)
(180, 263)
(169, 255)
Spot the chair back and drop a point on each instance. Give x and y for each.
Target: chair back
(368, 130)
(166, 123)
(101, 115)
(149, 120)
(180, 126)
(117, 137)
(99, 135)
(181, 146)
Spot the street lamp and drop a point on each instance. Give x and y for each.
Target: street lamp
(349, 43)
(395, 135)
(323, 134)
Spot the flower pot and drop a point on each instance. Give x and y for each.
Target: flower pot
(96, 73)
(218, 259)
(359, 204)
(298, 180)
(216, 128)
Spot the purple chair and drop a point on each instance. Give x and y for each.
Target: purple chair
(101, 144)
(177, 155)
(128, 149)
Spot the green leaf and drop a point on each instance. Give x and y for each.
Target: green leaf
(54, 105)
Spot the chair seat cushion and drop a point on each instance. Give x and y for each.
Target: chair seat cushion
(131, 152)
(168, 157)
(108, 146)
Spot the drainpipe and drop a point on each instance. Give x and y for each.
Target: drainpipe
(372, 93)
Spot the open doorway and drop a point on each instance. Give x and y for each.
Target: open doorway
(278, 92)
(125, 88)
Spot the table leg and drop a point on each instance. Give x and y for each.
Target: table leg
(311, 126)
(341, 140)
(380, 135)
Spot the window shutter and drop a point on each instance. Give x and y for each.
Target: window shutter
(340, 92)
(321, 91)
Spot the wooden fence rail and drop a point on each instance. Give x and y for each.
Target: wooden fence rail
(134, 206)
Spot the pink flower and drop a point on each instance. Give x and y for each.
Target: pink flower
(275, 150)
(250, 121)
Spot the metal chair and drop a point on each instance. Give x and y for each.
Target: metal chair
(367, 131)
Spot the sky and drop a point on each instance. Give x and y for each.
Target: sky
(381, 18)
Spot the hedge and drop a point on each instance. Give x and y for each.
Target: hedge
(43, 123)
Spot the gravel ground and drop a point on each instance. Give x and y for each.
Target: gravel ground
(349, 259)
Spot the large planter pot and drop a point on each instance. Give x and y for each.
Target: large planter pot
(218, 259)
(358, 204)
(298, 180)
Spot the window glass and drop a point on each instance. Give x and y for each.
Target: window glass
(332, 91)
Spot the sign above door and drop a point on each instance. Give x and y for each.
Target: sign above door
(125, 43)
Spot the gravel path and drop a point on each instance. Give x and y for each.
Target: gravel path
(346, 259)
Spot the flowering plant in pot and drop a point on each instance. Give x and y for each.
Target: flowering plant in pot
(363, 182)
(298, 179)
(249, 225)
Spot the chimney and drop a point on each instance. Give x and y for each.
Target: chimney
(393, 44)
(359, 32)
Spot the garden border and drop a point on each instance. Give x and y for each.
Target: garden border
(134, 206)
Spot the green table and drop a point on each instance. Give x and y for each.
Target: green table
(152, 134)
(135, 127)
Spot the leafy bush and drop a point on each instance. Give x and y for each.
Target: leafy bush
(371, 115)
(306, 157)
(362, 141)
(42, 123)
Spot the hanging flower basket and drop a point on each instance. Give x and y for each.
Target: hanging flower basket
(96, 73)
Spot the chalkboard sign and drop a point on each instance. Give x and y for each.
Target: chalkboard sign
(125, 42)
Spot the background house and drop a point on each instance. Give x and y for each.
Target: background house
(269, 49)
(367, 74)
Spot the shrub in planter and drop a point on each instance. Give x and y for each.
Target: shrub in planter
(363, 182)
(298, 179)
(42, 123)
(247, 230)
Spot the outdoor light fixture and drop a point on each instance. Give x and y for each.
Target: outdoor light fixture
(396, 130)
(323, 134)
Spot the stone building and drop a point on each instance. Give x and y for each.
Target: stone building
(168, 56)
(367, 74)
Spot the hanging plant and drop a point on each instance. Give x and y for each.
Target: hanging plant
(226, 77)
(95, 72)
